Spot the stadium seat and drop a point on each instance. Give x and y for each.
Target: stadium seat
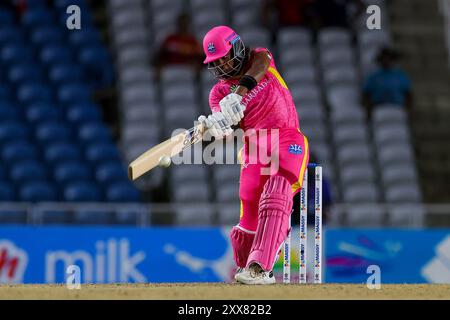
(384, 114)
(16, 53)
(365, 215)
(331, 36)
(94, 132)
(96, 63)
(343, 96)
(351, 154)
(403, 193)
(92, 217)
(228, 214)
(187, 174)
(13, 131)
(8, 112)
(28, 170)
(396, 153)
(357, 173)
(16, 151)
(37, 192)
(122, 192)
(38, 17)
(56, 54)
(71, 93)
(102, 152)
(46, 35)
(293, 36)
(256, 37)
(22, 72)
(139, 94)
(347, 115)
(6, 192)
(49, 132)
(43, 112)
(82, 191)
(65, 73)
(84, 37)
(192, 192)
(392, 134)
(176, 94)
(402, 215)
(71, 171)
(344, 134)
(227, 192)
(11, 34)
(83, 112)
(400, 173)
(34, 92)
(6, 18)
(61, 152)
(193, 214)
(110, 172)
(182, 75)
(223, 173)
(361, 192)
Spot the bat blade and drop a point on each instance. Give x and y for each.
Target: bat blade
(169, 148)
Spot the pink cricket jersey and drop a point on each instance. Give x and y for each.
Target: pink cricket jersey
(268, 106)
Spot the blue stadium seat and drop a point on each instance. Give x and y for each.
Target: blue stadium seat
(102, 152)
(94, 132)
(25, 72)
(38, 17)
(110, 172)
(122, 192)
(82, 191)
(18, 151)
(34, 92)
(13, 131)
(5, 91)
(6, 192)
(65, 73)
(53, 54)
(14, 53)
(62, 151)
(84, 37)
(38, 191)
(47, 35)
(71, 93)
(97, 65)
(2, 173)
(10, 35)
(92, 217)
(34, 4)
(8, 112)
(52, 132)
(28, 171)
(67, 172)
(83, 112)
(6, 18)
(42, 112)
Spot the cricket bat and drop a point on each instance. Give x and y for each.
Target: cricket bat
(169, 148)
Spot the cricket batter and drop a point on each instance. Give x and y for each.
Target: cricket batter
(251, 93)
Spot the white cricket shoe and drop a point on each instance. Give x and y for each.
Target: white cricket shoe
(255, 275)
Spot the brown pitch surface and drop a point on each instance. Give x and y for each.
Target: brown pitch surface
(187, 291)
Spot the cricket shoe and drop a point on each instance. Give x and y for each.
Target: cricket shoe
(255, 275)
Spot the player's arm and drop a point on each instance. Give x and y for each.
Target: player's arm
(259, 64)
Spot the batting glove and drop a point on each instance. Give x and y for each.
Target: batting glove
(232, 108)
(216, 124)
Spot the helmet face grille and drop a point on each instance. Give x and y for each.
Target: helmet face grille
(233, 65)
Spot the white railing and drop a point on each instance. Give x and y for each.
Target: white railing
(444, 6)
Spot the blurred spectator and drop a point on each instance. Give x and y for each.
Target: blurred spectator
(180, 47)
(285, 13)
(387, 85)
(333, 13)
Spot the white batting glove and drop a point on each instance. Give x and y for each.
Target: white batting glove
(232, 108)
(217, 125)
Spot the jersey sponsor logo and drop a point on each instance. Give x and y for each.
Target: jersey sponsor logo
(233, 88)
(211, 47)
(295, 149)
